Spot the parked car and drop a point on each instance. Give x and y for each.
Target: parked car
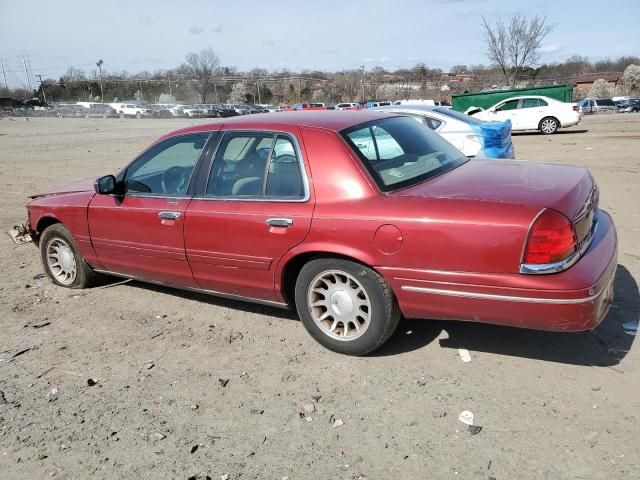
(533, 112)
(352, 236)
(347, 106)
(474, 137)
(194, 111)
(596, 105)
(100, 110)
(133, 110)
(160, 111)
(68, 110)
(225, 111)
(630, 105)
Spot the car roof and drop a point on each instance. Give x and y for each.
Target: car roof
(407, 107)
(335, 120)
(528, 96)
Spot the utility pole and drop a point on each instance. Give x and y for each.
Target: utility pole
(4, 75)
(26, 72)
(99, 65)
(362, 82)
(299, 90)
(44, 96)
(258, 84)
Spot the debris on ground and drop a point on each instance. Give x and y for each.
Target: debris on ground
(6, 357)
(194, 449)
(149, 365)
(38, 325)
(3, 400)
(159, 436)
(466, 417)
(157, 334)
(52, 396)
(19, 234)
(316, 398)
(223, 381)
(474, 429)
(465, 356)
(309, 408)
(92, 382)
(591, 437)
(338, 423)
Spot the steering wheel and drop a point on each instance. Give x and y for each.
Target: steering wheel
(174, 180)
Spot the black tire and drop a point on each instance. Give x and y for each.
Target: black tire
(84, 274)
(549, 125)
(384, 314)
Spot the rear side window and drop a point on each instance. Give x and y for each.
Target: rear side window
(258, 166)
(399, 152)
(530, 103)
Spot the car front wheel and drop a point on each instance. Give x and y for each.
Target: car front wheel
(62, 260)
(345, 306)
(549, 125)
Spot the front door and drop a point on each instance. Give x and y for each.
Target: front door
(141, 232)
(255, 207)
(508, 111)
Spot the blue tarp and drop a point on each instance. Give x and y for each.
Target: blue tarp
(496, 139)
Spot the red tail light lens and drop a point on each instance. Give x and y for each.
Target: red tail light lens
(551, 239)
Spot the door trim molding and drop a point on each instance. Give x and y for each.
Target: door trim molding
(215, 293)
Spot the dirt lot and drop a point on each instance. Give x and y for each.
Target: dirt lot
(554, 406)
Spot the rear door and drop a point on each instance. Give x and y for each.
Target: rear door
(531, 112)
(255, 206)
(141, 232)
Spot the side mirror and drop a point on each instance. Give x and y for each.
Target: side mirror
(106, 185)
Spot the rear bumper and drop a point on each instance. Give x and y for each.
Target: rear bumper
(577, 299)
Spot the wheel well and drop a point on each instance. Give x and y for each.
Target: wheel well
(549, 116)
(293, 267)
(45, 222)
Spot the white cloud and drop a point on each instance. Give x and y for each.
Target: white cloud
(553, 48)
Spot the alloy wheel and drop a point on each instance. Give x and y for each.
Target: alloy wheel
(339, 305)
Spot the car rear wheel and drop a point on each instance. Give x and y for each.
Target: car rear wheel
(62, 260)
(345, 306)
(549, 125)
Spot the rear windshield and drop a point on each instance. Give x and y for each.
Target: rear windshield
(606, 102)
(457, 115)
(399, 152)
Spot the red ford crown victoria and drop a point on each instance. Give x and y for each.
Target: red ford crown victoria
(354, 218)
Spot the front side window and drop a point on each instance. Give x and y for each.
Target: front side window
(510, 105)
(166, 168)
(256, 165)
(399, 152)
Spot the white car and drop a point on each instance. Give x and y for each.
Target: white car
(474, 137)
(345, 105)
(131, 109)
(533, 113)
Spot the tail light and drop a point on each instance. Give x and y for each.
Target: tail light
(551, 239)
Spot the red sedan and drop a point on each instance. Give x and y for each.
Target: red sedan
(354, 218)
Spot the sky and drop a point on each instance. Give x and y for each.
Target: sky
(139, 35)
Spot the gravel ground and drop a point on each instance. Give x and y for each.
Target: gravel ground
(187, 386)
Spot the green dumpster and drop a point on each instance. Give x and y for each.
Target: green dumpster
(462, 101)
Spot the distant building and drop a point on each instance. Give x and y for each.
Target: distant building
(583, 83)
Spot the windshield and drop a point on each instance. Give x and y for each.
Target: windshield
(457, 115)
(400, 152)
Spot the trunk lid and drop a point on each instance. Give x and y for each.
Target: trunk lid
(567, 189)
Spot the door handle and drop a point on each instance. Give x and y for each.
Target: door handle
(169, 215)
(279, 222)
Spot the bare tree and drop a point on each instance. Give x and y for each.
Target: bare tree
(203, 67)
(515, 44)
